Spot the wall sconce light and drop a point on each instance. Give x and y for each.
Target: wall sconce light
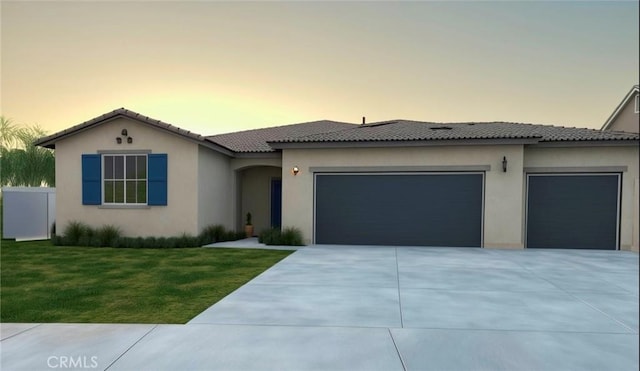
(504, 164)
(129, 140)
(295, 170)
(118, 140)
(124, 132)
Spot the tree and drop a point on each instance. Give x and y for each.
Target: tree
(21, 162)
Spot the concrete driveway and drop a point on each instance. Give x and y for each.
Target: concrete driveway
(386, 308)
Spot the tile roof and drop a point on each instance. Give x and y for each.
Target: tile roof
(405, 130)
(256, 140)
(49, 141)
(325, 131)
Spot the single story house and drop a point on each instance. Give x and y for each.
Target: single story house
(399, 182)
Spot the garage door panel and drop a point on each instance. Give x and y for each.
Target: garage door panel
(408, 209)
(573, 211)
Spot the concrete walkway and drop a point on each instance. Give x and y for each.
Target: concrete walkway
(384, 308)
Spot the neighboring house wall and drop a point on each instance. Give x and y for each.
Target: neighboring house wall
(627, 119)
(503, 190)
(176, 217)
(589, 159)
(214, 188)
(256, 195)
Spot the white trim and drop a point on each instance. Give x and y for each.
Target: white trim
(396, 169)
(482, 173)
(619, 198)
(575, 169)
(125, 204)
(618, 109)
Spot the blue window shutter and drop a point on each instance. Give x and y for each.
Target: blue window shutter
(157, 179)
(91, 179)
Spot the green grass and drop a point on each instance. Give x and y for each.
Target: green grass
(44, 283)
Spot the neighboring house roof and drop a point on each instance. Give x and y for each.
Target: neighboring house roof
(630, 95)
(405, 130)
(49, 141)
(256, 140)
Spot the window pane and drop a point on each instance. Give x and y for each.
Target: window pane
(119, 167)
(108, 167)
(131, 167)
(131, 192)
(142, 192)
(108, 191)
(142, 167)
(119, 192)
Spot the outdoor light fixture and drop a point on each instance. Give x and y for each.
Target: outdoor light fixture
(504, 164)
(118, 140)
(295, 170)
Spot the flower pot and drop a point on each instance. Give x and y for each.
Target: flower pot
(248, 230)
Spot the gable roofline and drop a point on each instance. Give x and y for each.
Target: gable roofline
(630, 95)
(50, 140)
(258, 140)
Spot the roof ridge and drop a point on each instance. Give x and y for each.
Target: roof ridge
(278, 127)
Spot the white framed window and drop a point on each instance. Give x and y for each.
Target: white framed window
(637, 110)
(124, 179)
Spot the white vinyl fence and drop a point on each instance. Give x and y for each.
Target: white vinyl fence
(28, 212)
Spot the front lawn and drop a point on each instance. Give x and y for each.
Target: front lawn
(44, 283)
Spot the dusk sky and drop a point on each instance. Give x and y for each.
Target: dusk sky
(214, 67)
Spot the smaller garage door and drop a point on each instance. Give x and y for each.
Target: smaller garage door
(573, 211)
(418, 209)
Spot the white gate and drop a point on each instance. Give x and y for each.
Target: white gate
(28, 212)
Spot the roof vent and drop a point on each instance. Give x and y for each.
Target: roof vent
(441, 128)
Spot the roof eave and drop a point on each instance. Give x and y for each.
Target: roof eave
(50, 141)
(590, 143)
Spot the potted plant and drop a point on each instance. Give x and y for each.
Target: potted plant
(248, 226)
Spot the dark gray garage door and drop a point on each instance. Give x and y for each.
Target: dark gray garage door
(573, 211)
(399, 209)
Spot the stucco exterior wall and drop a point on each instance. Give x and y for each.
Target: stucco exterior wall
(214, 187)
(236, 166)
(586, 157)
(256, 195)
(503, 190)
(627, 119)
(182, 188)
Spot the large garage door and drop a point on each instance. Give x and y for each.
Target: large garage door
(570, 211)
(416, 209)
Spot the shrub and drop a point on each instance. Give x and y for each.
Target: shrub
(106, 236)
(75, 232)
(291, 237)
(80, 234)
(57, 240)
(150, 242)
(218, 233)
(269, 236)
(212, 234)
(286, 237)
